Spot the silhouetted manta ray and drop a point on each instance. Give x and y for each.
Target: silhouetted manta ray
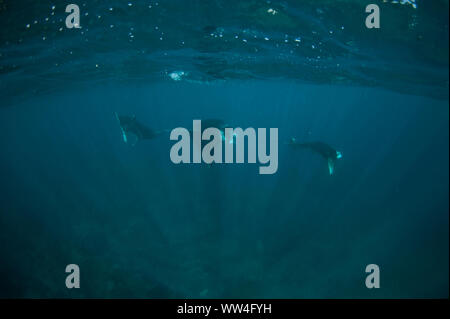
(133, 128)
(325, 150)
(216, 123)
(212, 123)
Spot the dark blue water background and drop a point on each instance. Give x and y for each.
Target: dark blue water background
(71, 191)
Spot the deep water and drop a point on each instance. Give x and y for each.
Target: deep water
(72, 191)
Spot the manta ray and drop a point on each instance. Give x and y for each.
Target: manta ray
(212, 123)
(325, 150)
(133, 131)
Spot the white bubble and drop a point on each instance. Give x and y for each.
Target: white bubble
(177, 75)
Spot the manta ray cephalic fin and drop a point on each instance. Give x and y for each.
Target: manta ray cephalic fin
(330, 166)
(124, 135)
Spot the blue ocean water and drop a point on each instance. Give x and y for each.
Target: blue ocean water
(139, 226)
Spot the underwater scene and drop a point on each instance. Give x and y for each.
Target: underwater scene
(338, 186)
